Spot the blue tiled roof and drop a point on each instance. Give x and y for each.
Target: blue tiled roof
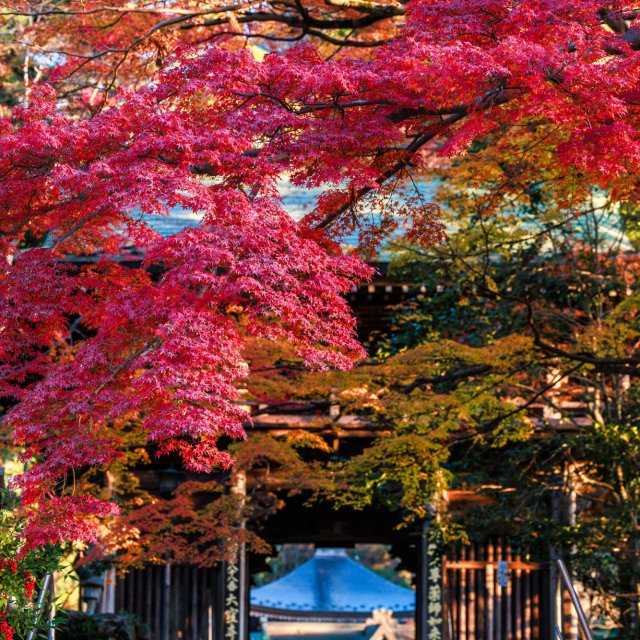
(297, 202)
(177, 220)
(332, 583)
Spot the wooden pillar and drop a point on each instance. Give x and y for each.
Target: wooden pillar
(499, 594)
(490, 581)
(194, 630)
(165, 631)
(471, 614)
(236, 580)
(463, 627)
(429, 601)
(508, 593)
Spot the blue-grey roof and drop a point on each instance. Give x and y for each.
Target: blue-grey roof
(297, 202)
(177, 220)
(332, 583)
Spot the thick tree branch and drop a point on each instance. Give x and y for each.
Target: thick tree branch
(185, 20)
(455, 375)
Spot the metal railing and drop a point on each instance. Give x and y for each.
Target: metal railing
(582, 619)
(48, 589)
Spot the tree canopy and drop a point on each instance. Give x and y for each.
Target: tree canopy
(128, 111)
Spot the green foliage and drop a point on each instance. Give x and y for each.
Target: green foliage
(402, 471)
(558, 461)
(511, 373)
(22, 572)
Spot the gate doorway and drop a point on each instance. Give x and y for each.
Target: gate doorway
(483, 591)
(333, 594)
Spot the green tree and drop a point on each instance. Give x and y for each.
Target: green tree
(512, 371)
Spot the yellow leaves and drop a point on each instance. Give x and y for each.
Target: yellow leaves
(615, 336)
(306, 439)
(362, 398)
(436, 358)
(277, 461)
(359, 393)
(491, 284)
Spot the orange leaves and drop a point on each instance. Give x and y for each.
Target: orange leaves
(188, 528)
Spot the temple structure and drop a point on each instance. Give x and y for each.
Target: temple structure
(463, 592)
(330, 586)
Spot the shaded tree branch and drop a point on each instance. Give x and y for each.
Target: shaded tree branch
(455, 375)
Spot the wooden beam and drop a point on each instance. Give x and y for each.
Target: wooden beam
(516, 565)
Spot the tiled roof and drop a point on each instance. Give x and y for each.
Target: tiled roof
(332, 583)
(177, 220)
(297, 202)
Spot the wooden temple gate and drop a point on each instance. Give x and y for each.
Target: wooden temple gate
(179, 602)
(476, 592)
(176, 602)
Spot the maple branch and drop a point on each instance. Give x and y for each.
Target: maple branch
(304, 21)
(75, 227)
(379, 11)
(624, 366)
(160, 25)
(492, 424)
(617, 20)
(164, 10)
(148, 346)
(366, 6)
(291, 408)
(345, 43)
(495, 422)
(397, 117)
(627, 366)
(334, 105)
(249, 36)
(418, 142)
(457, 113)
(455, 375)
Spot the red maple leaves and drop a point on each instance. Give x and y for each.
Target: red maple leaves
(214, 132)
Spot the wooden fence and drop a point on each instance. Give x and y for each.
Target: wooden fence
(181, 603)
(480, 604)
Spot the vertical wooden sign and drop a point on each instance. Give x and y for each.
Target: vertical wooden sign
(236, 597)
(429, 595)
(435, 609)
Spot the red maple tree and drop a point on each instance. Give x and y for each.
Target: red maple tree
(214, 130)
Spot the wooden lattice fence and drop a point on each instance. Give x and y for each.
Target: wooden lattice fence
(491, 593)
(182, 603)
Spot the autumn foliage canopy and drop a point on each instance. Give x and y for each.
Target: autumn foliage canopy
(140, 111)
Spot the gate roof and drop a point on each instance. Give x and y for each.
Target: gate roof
(331, 585)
